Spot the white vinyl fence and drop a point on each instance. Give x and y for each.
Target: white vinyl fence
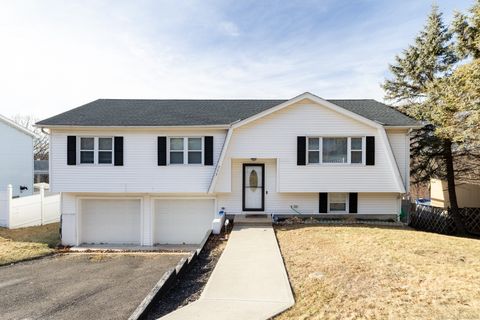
(29, 210)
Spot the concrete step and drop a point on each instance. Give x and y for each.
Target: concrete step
(255, 219)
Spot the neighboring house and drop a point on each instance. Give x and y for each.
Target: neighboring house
(468, 194)
(40, 168)
(16, 158)
(157, 171)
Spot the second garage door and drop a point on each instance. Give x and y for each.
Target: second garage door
(115, 221)
(182, 221)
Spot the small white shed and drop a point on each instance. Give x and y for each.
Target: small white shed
(16, 157)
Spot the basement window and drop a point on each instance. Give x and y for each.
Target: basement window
(337, 202)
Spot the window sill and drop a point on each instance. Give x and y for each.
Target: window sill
(337, 164)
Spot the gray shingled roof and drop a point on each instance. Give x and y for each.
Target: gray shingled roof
(132, 112)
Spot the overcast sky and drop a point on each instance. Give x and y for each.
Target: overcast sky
(57, 55)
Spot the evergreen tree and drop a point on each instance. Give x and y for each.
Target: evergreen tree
(467, 32)
(430, 58)
(455, 101)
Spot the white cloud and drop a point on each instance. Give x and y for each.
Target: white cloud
(57, 55)
(229, 28)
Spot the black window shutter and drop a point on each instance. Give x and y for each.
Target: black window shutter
(118, 156)
(353, 202)
(208, 155)
(301, 151)
(71, 150)
(162, 151)
(370, 155)
(323, 205)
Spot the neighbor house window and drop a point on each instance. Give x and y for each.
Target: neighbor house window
(95, 150)
(343, 150)
(186, 150)
(337, 202)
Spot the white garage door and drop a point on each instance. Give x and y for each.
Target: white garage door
(182, 221)
(115, 221)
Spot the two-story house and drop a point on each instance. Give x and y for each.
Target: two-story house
(16, 158)
(157, 171)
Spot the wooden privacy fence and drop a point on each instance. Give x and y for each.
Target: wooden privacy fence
(28, 211)
(440, 220)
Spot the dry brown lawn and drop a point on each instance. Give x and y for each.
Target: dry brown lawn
(358, 272)
(26, 243)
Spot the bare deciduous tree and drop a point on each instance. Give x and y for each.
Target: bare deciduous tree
(40, 146)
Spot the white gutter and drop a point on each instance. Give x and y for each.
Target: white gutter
(218, 126)
(404, 127)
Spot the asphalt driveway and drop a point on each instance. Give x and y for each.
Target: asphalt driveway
(80, 286)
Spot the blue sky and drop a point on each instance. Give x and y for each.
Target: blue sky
(56, 55)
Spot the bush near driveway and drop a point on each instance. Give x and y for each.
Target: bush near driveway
(26, 243)
(358, 272)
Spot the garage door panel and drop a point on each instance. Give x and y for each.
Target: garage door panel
(115, 221)
(182, 221)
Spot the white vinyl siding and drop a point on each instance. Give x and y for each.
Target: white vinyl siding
(16, 160)
(400, 143)
(140, 172)
(306, 203)
(275, 137)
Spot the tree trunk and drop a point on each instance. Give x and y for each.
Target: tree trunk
(452, 193)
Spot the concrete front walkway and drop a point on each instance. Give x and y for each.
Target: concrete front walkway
(248, 282)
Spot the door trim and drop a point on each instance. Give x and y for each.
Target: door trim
(245, 165)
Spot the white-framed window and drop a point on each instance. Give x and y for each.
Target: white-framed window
(87, 150)
(185, 150)
(314, 150)
(338, 202)
(335, 150)
(356, 150)
(96, 150)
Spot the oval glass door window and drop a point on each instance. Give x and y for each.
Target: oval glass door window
(253, 180)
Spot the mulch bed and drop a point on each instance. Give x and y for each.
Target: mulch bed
(188, 288)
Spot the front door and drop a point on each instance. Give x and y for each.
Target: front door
(253, 187)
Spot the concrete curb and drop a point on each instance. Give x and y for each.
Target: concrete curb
(166, 281)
